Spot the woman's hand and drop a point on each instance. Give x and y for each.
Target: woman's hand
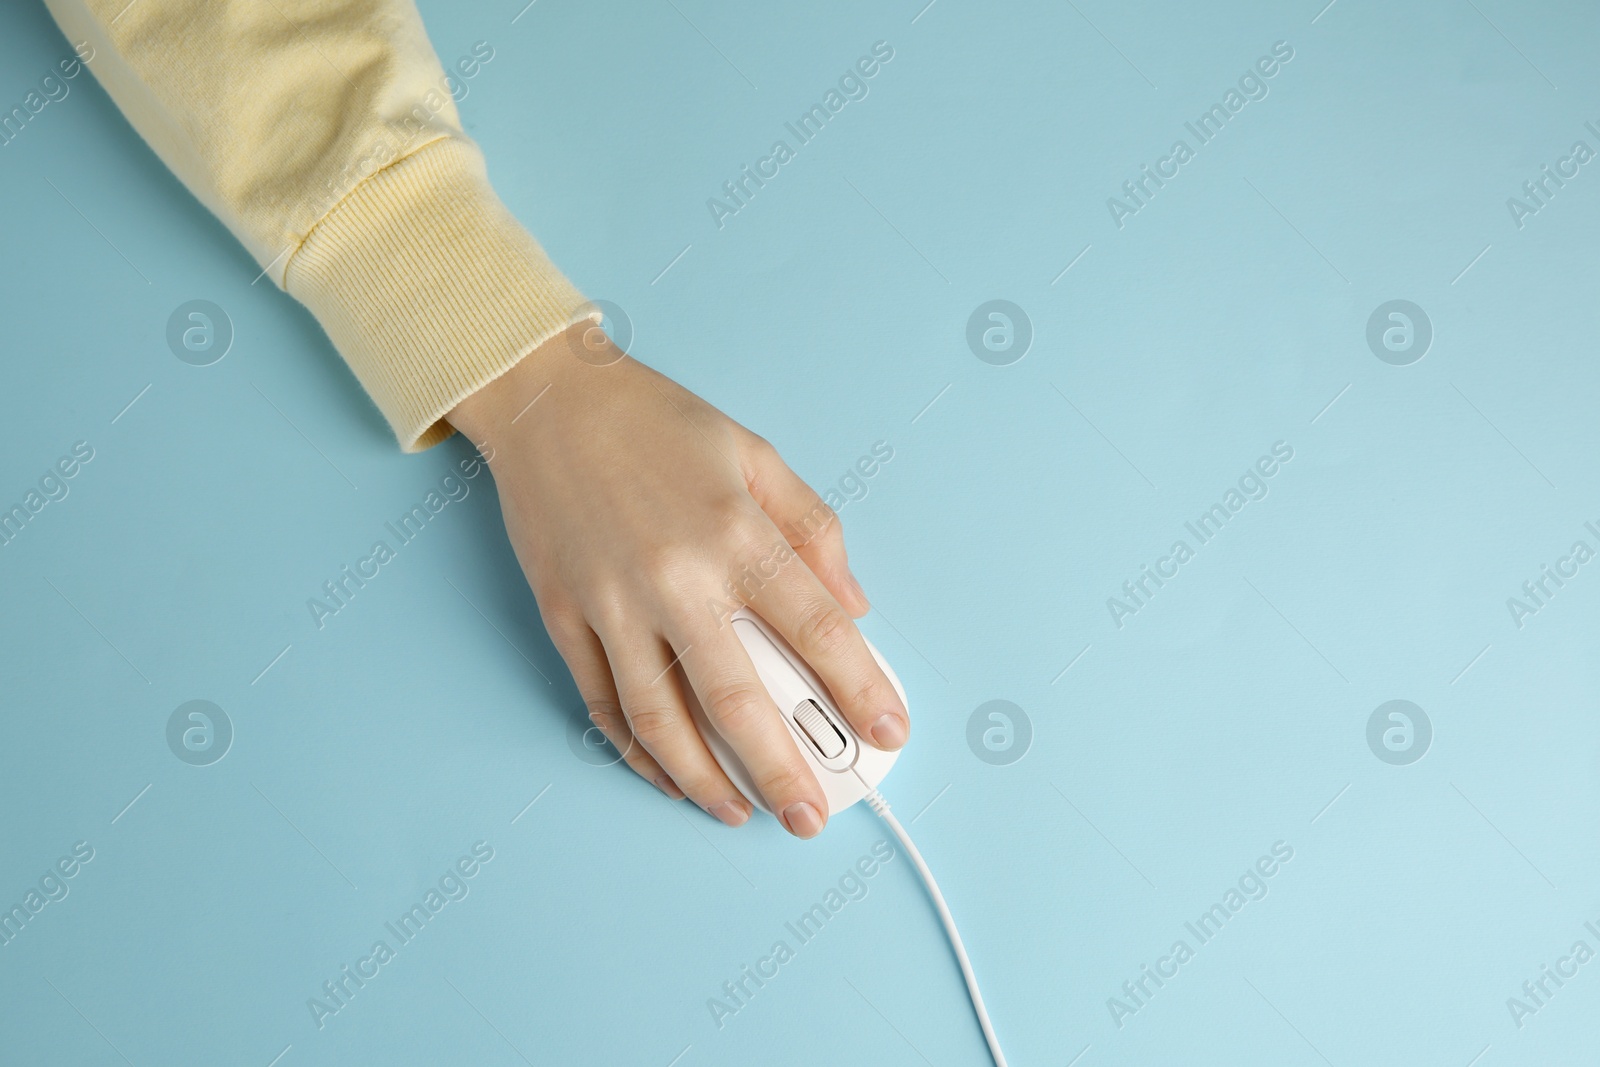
(643, 517)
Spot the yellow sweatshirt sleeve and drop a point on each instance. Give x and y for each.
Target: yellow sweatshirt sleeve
(323, 134)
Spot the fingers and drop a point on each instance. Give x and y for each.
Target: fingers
(812, 610)
(741, 710)
(660, 720)
(586, 659)
(808, 524)
(802, 608)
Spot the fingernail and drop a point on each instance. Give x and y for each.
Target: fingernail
(854, 584)
(802, 820)
(667, 786)
(730, 813)
(889, 731)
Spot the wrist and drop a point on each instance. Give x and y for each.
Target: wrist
(509, 401)
(427, 285)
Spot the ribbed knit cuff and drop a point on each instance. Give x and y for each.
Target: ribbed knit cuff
(429, 287)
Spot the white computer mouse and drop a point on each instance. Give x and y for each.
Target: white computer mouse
(846, 767)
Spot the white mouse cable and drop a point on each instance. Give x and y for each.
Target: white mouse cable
(881, 806)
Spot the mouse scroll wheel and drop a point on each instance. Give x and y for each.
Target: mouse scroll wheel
(815, 725)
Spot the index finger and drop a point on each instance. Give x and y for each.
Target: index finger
(742, 711)
(804, 611)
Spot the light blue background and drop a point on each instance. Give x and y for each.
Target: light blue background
(1225, 716)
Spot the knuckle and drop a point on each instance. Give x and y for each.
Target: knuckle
(735, 705)
(820, 523)
(608, 608)
(653, 724)
(641, 764)
(746, 533)
(666, 561)
(761, 457)
(874, 694)
(698, 783)
(758, 559)
(704, 785)
(762, 447)
(563, 620)
(787, 779)
(607, 715)
(827, 630)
